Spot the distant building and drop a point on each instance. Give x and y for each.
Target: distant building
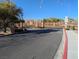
(40, 23)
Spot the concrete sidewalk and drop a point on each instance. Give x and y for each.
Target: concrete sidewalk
(72, 44)
(72, 50)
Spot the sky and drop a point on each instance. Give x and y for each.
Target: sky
(39, 9)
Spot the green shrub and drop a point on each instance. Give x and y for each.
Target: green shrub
(68, 28)
(73, 28)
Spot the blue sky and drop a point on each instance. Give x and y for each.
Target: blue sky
(38, 9)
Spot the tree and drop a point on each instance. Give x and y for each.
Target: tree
(54, 20)
(22, 21)
(9, 14)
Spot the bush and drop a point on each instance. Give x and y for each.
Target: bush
(73, 28)
(68, 28)
(18, 30)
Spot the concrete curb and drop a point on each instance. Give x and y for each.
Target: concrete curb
(62, 50)
(6, 35)
(65, 46)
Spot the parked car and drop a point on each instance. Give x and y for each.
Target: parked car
(20, 29)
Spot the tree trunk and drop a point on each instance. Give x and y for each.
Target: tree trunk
(4, 26)
(43, 24)
(22, 25)
(12, 28)
(5, 29)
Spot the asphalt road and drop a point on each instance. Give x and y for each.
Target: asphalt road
(38, 44)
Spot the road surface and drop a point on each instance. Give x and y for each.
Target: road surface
(38, 44)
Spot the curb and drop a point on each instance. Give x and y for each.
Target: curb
(6, 35)
(65, 46)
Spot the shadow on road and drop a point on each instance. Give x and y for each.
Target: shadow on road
(11, 41)
(39, 31)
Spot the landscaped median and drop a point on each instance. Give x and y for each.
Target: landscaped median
(62, 50)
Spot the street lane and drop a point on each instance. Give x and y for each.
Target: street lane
(32, 45)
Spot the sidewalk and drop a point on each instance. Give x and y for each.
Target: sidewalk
(4, 34)
(71, 47)
(72, 44)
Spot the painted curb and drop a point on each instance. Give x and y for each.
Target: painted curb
(65, 46)
(60, 51)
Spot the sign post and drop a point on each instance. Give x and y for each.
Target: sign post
(66, 22)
